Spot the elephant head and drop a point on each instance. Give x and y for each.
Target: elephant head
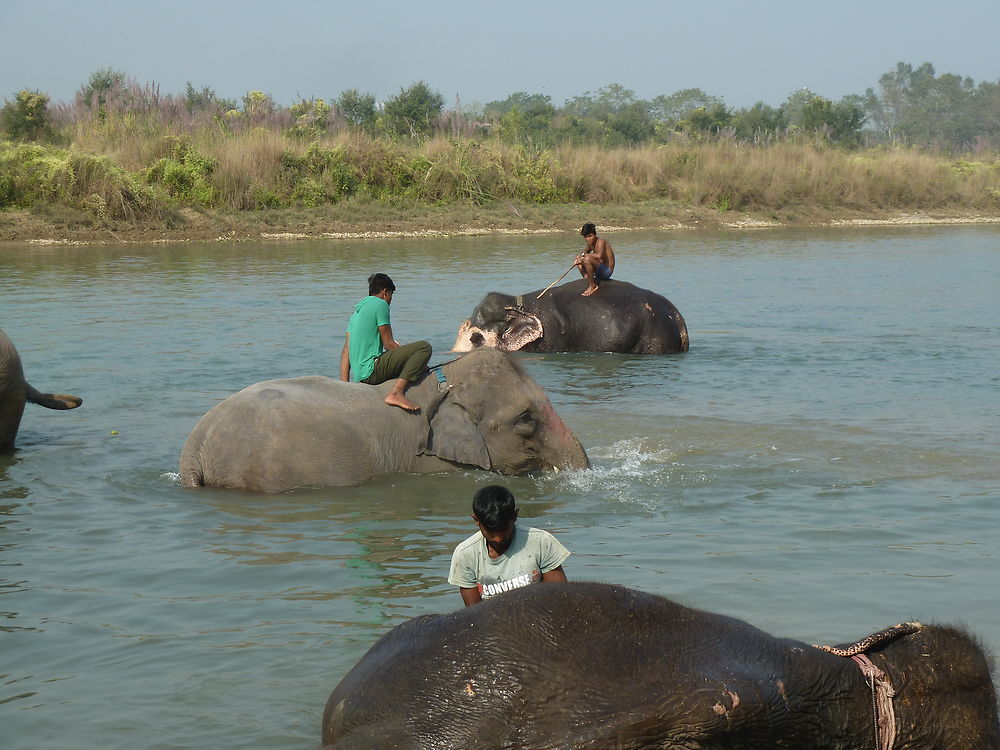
(480, 410)
(495, 417)
(499, 321)
(15, 392)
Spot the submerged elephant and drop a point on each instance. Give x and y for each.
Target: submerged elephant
(15, 391)
(480, 410)
(620, 318)
(601, 666)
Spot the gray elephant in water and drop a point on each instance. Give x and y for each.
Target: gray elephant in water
(15, 391)
(480, 410)
(621, 318)
(576, 665)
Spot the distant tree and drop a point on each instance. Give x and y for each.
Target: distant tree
(707, 121)
(795, 105)
(102, 83)
(27, 117)
(918, 106)
(759, 121)
(633, 124)
(986, 111)
(841, 121)
(602, 104)
(205, 100)
(528, 104)
(524, 117)
(412, 110)
(358, 109)
(677, 106)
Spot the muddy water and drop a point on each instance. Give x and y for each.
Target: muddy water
(822, 462)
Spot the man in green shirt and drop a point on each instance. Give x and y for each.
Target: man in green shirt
(503, 556)
(373, 355)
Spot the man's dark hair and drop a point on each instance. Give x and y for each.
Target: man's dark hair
(588, 228)
(378, 282)
(494, 507)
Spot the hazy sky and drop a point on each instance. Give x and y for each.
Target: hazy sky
(739, 50)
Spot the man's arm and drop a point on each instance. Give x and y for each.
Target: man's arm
(345, 360)
(556, 575)
(606, 254)
(472, 596)
(385, 332)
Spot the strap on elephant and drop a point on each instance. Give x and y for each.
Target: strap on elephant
(438, 370)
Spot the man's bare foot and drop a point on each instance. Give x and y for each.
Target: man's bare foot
(398, 399)
(589, 290)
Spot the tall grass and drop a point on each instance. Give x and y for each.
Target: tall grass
(137, 160)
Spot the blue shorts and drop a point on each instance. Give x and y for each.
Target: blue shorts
(602, 272)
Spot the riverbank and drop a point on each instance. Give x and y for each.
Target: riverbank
(372, 220)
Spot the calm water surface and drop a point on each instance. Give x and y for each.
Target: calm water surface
(822, 463)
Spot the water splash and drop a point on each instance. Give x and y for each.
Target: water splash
(631, 471)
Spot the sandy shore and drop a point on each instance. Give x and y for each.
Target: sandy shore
(22, 227)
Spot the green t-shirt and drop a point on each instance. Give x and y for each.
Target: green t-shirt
(531, 553)
(365, 341)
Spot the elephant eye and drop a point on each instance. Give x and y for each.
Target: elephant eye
(525, 424)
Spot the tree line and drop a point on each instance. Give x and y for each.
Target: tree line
(909, 105)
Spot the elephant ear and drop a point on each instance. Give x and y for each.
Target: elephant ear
(453, 435)
(520, 330)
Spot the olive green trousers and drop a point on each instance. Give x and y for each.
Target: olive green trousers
(408, 361)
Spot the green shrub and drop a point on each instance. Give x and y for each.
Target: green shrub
(27, 117)
(34, 174)
(185, 174)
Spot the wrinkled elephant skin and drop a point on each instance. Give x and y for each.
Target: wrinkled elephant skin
(620, 317)
(315, 431)
(15, 392)
(593, 665)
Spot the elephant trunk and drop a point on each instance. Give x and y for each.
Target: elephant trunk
(567, 452)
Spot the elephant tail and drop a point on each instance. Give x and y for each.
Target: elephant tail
(191, 468)
(190, 471)
(52, 400)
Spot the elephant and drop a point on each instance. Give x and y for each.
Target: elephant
(480, 410)
(15, 391)
(621, 318)
(598, 665)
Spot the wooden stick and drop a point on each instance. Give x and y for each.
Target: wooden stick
(556, 281)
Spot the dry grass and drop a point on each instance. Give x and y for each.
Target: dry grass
(256, 168)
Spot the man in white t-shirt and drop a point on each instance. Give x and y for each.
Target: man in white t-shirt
(502, 556)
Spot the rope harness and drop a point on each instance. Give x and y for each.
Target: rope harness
(883, 713)
(882, 695)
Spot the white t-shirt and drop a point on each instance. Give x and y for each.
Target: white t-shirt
(531, 553)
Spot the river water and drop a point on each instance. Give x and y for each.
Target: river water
(823, 462)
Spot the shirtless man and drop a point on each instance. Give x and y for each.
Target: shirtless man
(371, 351)
(597, 261)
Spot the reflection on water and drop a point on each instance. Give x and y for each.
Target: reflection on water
(821, 463)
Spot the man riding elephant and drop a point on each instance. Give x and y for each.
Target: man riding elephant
(623, 318)
(481, 410)
(371, 351)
